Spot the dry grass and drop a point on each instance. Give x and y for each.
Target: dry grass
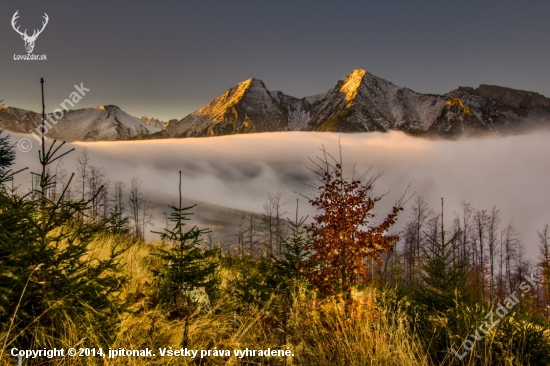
(317, 332)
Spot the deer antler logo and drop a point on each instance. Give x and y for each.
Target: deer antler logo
(29, 40)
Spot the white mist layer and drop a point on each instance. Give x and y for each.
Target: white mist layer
(239, 171)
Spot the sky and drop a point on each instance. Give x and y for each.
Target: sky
(166, 59)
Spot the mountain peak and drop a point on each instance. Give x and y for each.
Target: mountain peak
(232, 97)
(237, 92)
(362, 102)
(351, 84)
(153, 122)
(109, 107)
(254, 80)
(510, 97)
(104, 122)
(253, 83)
(357, 73)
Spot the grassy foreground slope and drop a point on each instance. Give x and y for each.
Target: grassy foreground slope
(378, 330)
(316, 331)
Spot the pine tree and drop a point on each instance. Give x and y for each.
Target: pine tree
(186, 266)
(45, 266)
(7, 156)
(544, 265)
(294, 254)
(255, 282)
(118, 222)
(443, 294)
(445, 273)
(290, 267)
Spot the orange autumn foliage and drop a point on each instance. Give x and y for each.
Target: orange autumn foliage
(343, 236)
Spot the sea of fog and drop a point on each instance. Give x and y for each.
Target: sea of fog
(239, 171)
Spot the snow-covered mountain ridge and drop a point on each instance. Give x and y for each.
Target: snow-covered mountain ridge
(90, 124)
(363, 102)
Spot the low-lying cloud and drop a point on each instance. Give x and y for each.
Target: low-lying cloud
(239, 171)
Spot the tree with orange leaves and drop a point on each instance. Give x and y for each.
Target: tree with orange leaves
(342, 236)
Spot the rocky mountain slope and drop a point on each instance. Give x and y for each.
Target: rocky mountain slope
(363, 102)
(153, 122)
(90, 124)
